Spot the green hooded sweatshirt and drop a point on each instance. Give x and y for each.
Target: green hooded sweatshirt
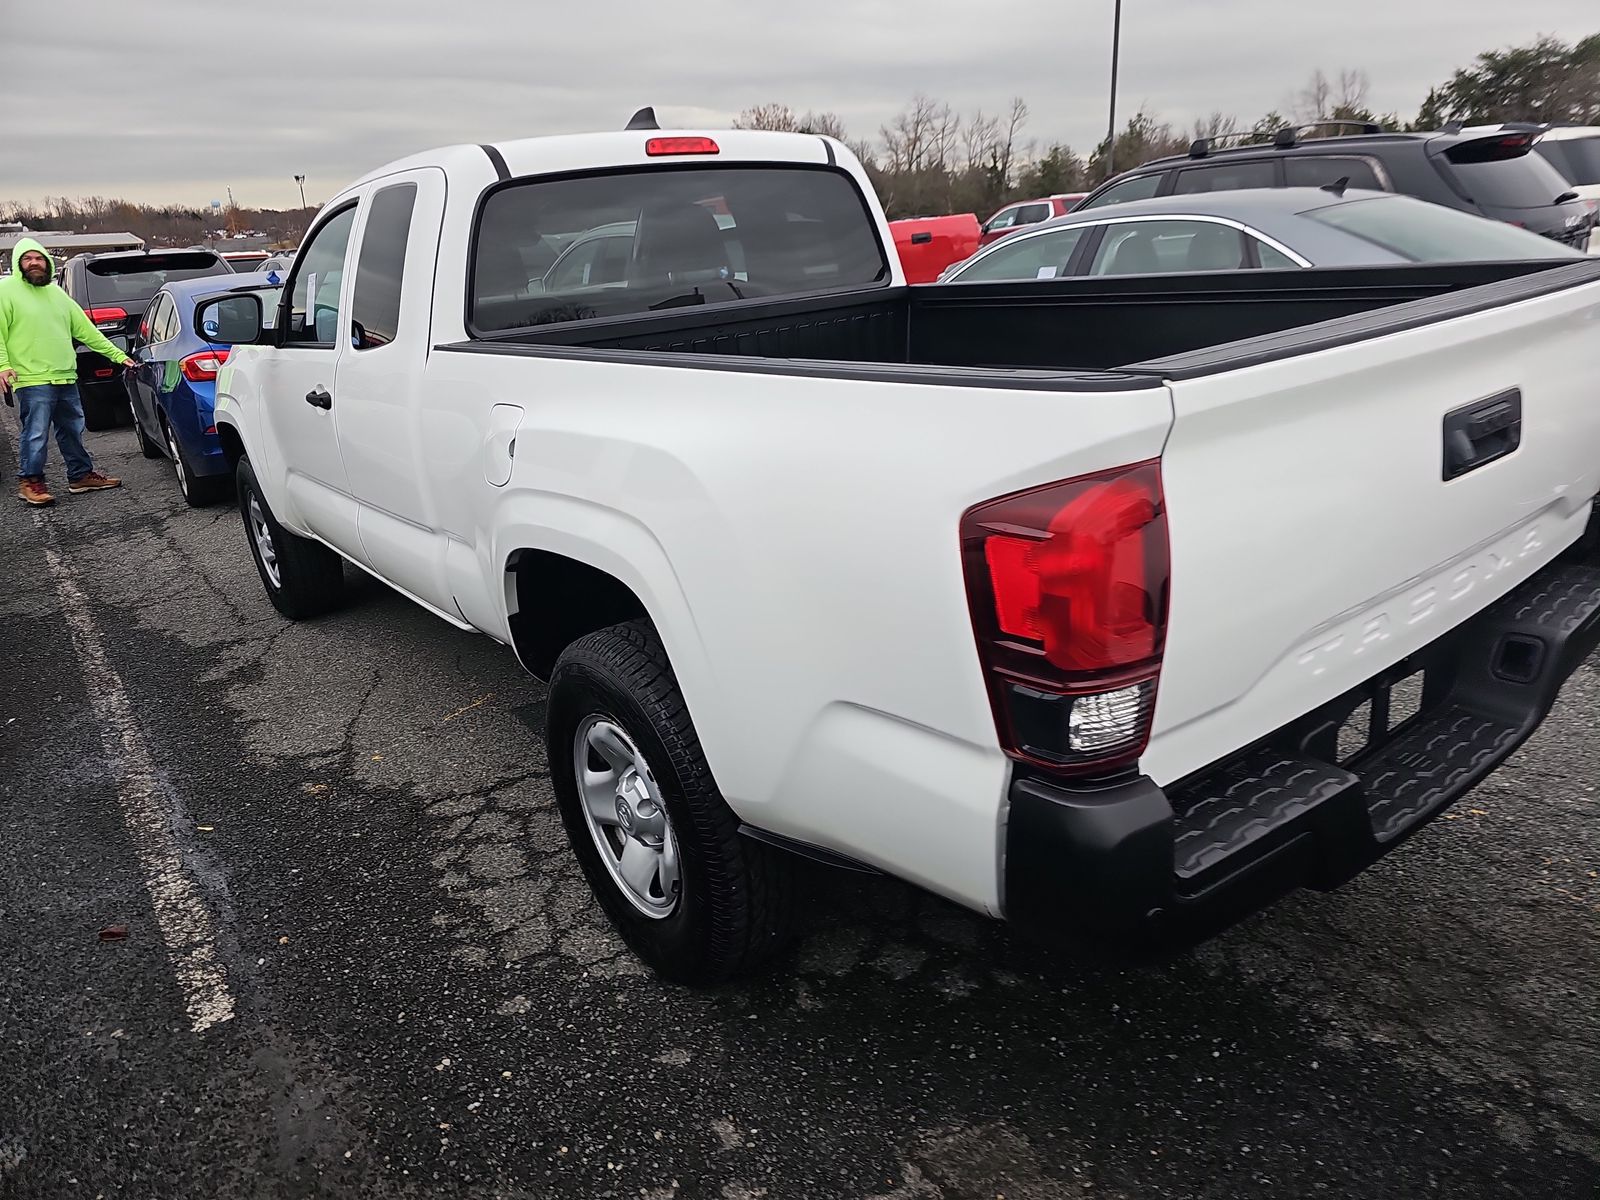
(39, 324)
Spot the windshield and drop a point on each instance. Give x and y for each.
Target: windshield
(1576, 158)
(1423, 232)
(138, 277)
(662, 238)
(1522, 181)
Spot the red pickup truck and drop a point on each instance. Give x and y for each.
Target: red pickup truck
(927, 245)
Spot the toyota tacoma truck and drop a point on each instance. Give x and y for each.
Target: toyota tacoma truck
(1114, 608)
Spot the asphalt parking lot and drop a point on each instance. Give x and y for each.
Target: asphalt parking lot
(359, 960)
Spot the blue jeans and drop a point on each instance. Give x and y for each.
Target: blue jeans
(40, 406)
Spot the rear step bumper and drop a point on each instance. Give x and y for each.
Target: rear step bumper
(1132, 867)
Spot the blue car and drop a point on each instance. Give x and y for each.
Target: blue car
(174, 388)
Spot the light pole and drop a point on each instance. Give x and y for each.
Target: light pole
(301, 179)
(1111, 123)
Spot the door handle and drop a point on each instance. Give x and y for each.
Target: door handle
(921, 239)
(1480, 432)
(319, 398)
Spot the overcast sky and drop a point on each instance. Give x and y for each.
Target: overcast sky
(175, 100)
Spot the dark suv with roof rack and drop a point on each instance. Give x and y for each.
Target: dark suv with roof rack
(1487, 170)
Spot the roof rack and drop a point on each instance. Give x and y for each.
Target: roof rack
(1283, 138)
(1201, 147)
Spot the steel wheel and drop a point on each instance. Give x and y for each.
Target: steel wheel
(626, 816)
(262, 533)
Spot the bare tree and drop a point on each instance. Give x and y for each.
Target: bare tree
(1314, 102)
(907, 138)
(980, 140)
(782, 118)
(1214, 123)
(779, 117)
(1354, 86)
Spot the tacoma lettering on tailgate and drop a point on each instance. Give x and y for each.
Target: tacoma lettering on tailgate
(1426, 610)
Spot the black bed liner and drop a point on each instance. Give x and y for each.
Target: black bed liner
(1070, 334)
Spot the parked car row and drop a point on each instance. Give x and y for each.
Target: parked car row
(1268, 229)
(1542, 179)
(1111, 607)
(116, 290)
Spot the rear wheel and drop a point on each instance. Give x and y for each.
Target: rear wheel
(303, 578)
(694, 898)
(198, 490)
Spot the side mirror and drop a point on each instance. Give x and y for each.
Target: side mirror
(230, 320)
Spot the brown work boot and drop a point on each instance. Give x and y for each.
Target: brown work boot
(92, 482)
(35, 493)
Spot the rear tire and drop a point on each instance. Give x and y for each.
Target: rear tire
(726, 911)
(303, 578)
(198, 490)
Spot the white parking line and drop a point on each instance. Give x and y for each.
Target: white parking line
(147, 812)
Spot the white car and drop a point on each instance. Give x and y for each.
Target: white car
(1574, 150)
(1112, 608)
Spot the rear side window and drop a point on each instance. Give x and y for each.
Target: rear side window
(1424, 232)
(141, 276)
(1490, 177)
(380, 272)
(1316, 170)
(1165, 247)
(1043, 256)
(1140, 187)
(681, 237)
(1226, 177)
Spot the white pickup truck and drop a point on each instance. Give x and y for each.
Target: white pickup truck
(1114, 608)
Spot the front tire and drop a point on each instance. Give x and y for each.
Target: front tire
(146, 447)
(303, 578)
(695, 899)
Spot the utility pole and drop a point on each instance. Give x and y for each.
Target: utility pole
(301, 180)
(1111, 124)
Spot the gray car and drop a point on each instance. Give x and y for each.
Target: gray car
(1264, 228)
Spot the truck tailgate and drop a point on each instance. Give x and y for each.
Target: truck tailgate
(1317, 535)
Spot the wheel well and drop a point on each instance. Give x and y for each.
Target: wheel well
(232, 444)
(557, 600)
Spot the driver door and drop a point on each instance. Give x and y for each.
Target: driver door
(298, 389)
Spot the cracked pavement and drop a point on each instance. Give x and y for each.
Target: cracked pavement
(428, 1003)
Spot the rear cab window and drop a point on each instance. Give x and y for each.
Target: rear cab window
(141, 276)
(380, 270)
(647, 240)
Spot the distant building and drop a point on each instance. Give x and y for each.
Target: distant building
(64, 245)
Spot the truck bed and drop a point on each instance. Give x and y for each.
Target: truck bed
(1023, 334)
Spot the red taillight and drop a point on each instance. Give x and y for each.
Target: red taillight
(659, 146)
(105, 372)
(202, 367)
(107, 317)
(1068, 585)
